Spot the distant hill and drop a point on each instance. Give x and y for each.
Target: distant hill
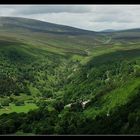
(53, 36)
(108, 30)
(41, 26)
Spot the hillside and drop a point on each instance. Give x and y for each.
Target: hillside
(40, 26)
(57, 79)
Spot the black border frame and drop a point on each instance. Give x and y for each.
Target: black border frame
(81, 2)
(12, 2)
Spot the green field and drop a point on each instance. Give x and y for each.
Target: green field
(12, 108)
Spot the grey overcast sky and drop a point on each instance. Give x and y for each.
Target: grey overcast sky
(90, 17)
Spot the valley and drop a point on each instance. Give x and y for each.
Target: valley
(49, 71)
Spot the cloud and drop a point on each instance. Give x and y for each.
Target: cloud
(41, 9)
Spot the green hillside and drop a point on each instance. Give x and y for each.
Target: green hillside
(57, 79)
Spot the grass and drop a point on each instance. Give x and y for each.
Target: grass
(116, 98)
(18, 109)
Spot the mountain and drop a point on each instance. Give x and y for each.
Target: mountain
(125, 35)
(48, 34)
(108, 30)
(57, 79)
(40, 26)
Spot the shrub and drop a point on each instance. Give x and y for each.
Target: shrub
(19, 103)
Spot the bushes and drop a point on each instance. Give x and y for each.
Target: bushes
(137, 70)
(47, 93)
(19, 103)
(8, 86)
(58, 105)
(9, 123)
(124, 119)
(5, 102)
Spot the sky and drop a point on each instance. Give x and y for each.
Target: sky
(89, 17)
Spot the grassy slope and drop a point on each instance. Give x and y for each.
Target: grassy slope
(113, 99)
